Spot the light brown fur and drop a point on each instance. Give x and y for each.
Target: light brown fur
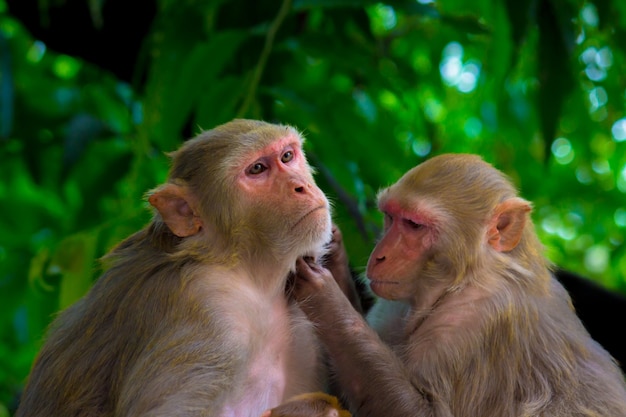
(473, 324)
(191, 317)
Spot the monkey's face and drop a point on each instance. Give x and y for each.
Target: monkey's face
(281, 201)
(395, 263)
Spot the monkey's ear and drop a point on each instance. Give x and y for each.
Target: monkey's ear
(508, 222)
(176, 206)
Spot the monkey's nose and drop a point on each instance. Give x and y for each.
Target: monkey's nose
(301, 187)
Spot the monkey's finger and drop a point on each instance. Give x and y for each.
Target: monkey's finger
(312, 264)
(336, 239)
(304, 268)
(310, 273)
(337, 236)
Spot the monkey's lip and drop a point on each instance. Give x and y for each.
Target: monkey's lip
(323, 206)
(382, 288)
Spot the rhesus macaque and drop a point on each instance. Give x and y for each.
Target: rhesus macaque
(471, 322)
(191, 317)
(315, 404)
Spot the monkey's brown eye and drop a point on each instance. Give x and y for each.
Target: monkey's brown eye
(256, 168)
(287, 156)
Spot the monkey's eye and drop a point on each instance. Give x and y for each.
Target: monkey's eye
(412, 224)
(287, 156)
(256, 168)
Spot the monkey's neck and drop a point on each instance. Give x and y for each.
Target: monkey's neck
(429, 295)
(268, 277)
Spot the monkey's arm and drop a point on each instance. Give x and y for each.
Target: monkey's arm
(173, 379)
(373, 378)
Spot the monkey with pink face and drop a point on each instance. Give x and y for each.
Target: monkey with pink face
(191, 317)
(470, 321)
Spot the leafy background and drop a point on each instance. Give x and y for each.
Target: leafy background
(94, 92)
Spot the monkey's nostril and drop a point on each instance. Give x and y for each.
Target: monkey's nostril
(379, 259)
(299, 189)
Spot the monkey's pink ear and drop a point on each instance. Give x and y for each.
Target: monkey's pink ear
(507, 225)
(176, 206)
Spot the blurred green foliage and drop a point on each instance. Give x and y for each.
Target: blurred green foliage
(536, 87)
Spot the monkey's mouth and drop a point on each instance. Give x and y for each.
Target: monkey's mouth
(322, 207)
(383, 288)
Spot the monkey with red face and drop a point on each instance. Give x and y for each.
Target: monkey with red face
(470, 320)
(190, 317)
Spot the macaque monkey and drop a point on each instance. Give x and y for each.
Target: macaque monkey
(471, 322)
(191, 316)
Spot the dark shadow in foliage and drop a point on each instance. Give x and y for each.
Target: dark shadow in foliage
(112, 40)
(600, 310)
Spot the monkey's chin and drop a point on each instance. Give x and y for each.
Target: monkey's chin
(314, 230)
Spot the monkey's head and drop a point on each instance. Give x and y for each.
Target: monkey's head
(244, 190)
(442, 219)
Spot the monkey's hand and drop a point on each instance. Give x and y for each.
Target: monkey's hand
(317, 292)
(336, 261)
(312, 278)
(313, 404)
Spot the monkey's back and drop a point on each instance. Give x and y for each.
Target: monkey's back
(95, 347)
(529, 356)
(542, 357)
(584, 379)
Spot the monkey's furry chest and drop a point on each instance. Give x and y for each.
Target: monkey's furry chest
(281, 356)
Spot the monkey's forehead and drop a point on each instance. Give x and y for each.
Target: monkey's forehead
(266, 135)
(260, 146)
(397, 198)
(408, 202)
(255, 143)
(271, 142)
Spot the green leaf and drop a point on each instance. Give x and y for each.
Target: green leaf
(74, 259)
(177, 83)
(555, 77)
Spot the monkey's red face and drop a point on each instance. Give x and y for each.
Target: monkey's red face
(399, 256)
(283, 198)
